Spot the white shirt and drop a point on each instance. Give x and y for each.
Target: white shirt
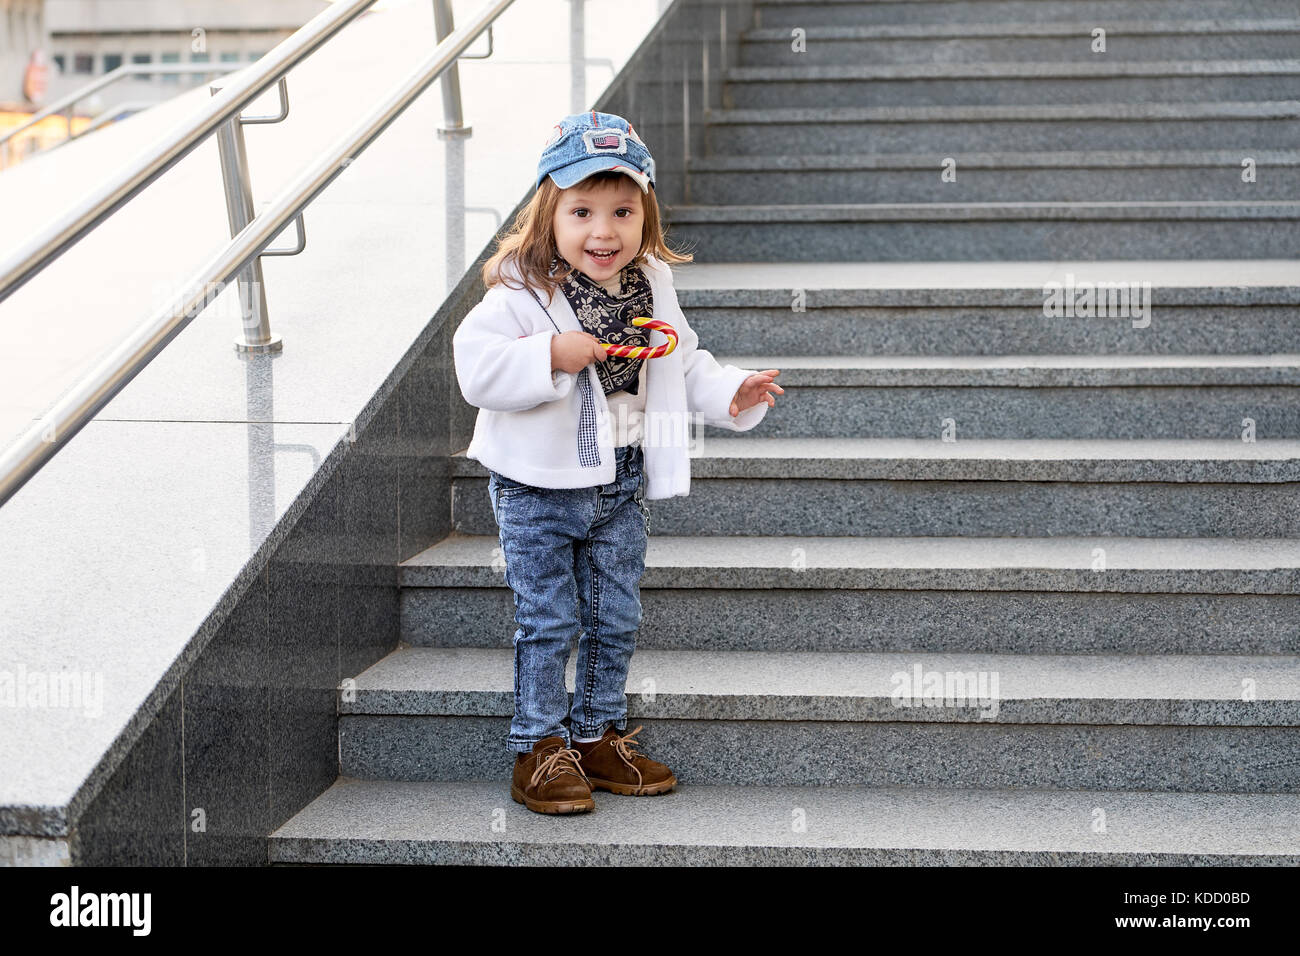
(527, 425)
(627, 411)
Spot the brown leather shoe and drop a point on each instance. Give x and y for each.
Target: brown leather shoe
(611, 764)
(550, 779)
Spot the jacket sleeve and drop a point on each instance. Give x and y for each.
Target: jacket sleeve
(500, 364)
(710, 387)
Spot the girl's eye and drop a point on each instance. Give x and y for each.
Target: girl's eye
(626, 210)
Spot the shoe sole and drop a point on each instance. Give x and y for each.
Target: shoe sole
(552, 806)
(629, 790)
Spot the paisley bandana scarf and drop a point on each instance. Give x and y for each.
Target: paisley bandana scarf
(609, 318)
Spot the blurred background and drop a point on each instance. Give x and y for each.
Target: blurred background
(49, 48)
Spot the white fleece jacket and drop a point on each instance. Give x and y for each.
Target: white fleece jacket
(527, 426)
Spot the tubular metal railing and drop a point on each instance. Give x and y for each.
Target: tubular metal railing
(93, 392)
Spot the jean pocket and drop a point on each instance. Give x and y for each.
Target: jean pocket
(506, 487)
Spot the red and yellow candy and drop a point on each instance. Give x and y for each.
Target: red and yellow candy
(646, 351)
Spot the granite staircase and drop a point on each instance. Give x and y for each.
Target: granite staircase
(1091, 522)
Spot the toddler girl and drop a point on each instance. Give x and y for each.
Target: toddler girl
(575, 441)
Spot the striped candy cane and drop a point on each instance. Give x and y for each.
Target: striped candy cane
(645, 351)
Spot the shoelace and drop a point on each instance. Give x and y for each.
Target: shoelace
(623, 747)
(558, 761)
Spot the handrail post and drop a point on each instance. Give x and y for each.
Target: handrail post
(239, 210)
(577, 56)
(453, 116)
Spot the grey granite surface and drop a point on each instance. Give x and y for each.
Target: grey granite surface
(1019, 40)
(784, 87)
(1215, 282)
(1080, 181)
(1001, 411)
(1202, 30)
(1167, 460)
(853, 12)
(1271, 124)
(117, 556)
(775, 685)
(1025, 371)
(1111, 160)
(1097, 67)
(34, 851)
(358, 821)
(908, 753)
(766, 505)
(1019, 212)
(1138, 111)
(880, 322)
(1012, 622)
(1173, 565)
(942, 231)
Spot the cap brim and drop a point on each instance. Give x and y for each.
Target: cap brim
(575, 173)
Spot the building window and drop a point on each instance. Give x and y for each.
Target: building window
(83, 63)
(199, 58)
(230, 58)
(256, 56)
(142, 58)
(112, 61)
(61, 62)
(171, 58)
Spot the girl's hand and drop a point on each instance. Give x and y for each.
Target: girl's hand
(573, 351)
(755, 389)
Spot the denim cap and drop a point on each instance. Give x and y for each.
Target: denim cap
(587, 143)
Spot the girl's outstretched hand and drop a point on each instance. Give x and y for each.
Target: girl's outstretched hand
(757, 388)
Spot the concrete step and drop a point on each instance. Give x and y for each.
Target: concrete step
(476, 823)
(798, 486)
(1067, 563)
(1008, 83)
(1025, 371)
(1272, 123)
(810, 13)
(1176, 723)
(892, 232)
(1032, 397)
(1108, 176)
(1068, 594)
(1061, 41)
(971, 308)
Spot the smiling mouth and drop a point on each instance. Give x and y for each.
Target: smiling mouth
(602, 255)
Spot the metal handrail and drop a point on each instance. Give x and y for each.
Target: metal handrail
(124, 184)
(125, 70)
(95, 390)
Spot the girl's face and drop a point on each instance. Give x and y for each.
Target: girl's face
(598, 228)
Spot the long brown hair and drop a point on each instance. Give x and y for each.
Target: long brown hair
(530, 243)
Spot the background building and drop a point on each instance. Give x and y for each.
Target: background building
(22, 32)
(79, 40)
(88, 38)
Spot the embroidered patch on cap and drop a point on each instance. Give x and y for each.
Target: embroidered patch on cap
(556, 133)
(607, 140)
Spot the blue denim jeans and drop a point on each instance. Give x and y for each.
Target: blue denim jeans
(574, 559)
